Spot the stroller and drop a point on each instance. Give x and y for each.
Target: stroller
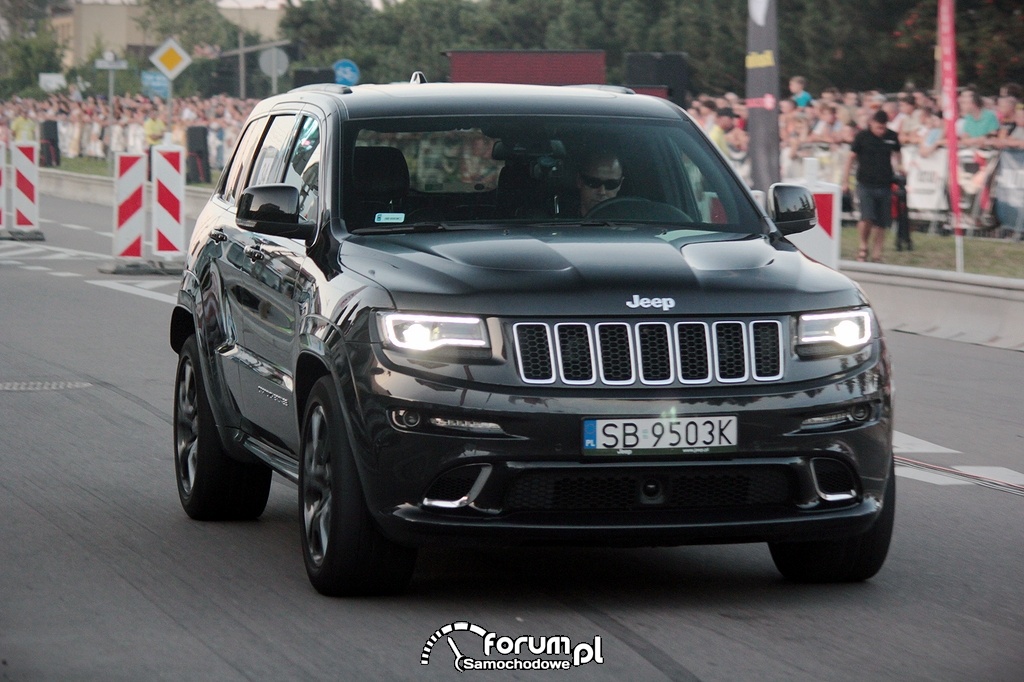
(900, 214)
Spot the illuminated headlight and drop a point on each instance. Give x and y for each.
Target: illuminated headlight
(849, 330)
(430, 332)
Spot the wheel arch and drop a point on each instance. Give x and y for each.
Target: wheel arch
(308, 370)
(183, 325)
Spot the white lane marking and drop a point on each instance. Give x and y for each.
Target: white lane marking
(70, 226)
(34, 267)
(133, 289)
(995, 473)
(65, 274)
(929, 476)
(21, 252)
(18, 251)
(903, 444)
(155, 283)
(10, 262)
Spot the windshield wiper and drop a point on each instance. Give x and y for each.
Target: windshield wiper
(404, 229)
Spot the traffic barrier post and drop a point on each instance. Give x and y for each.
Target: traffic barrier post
(25, 186)
(168, 201)
(821, 242)
(129, 216)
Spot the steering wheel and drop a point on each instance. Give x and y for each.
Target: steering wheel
(638, 208)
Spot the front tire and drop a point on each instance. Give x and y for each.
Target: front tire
(851, 559)
(344, 551)
(211, 485)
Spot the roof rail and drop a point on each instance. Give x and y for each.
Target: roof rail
(333, 88)
(621, 89)
(418, 77)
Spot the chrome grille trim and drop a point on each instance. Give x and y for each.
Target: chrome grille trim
(648, 356)
(604, 349)
(705, 360)
(650, 353)
(755, 347)
(569, 353)
(540, 374)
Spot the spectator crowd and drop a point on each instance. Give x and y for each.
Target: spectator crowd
(92, 127)
(825, 126)
(822, 126)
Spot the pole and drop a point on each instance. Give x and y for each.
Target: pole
(947, 41)
(110, 120)
(273, 71)
(241, 62)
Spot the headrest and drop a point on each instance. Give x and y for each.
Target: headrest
(380, 172)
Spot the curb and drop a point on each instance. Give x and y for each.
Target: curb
(98, 189)
(977, 309)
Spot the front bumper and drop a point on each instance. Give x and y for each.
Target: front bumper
(788, 479)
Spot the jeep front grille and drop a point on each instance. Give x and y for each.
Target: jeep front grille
(649, 353)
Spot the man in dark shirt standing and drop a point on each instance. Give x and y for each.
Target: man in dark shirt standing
(873, 151)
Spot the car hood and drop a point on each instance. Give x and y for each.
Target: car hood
(591, 271)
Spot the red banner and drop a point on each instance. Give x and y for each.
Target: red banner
(947, 48)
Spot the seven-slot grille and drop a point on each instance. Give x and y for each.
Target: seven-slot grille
(649, 353)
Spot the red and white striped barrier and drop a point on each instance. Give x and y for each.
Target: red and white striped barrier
(822, 241)
(168, 200)
(25, 162)
(129, 217)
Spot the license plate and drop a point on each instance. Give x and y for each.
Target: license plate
(659, 436)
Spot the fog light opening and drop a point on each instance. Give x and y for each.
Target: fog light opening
(860, 413)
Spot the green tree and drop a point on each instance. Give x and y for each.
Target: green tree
(24, 57)
(413, 35)
(323, 26)
(989, 36)
(190, 22)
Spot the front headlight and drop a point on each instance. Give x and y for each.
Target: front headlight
(832, 333)
(429, 332)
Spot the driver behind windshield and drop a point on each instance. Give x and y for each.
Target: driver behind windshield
(599, 179)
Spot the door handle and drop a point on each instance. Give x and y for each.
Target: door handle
(218, 235)
(254, 253)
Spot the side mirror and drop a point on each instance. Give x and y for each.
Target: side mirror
(273, 210)
(792, 208)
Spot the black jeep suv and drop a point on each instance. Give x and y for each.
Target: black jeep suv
(402, 298)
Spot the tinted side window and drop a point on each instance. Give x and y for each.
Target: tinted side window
(238, 173)
(303, 168)
(265, 168)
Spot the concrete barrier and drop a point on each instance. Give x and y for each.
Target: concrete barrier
(960, 307)
(97, 189)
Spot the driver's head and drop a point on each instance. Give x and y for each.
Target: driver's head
(599, 179)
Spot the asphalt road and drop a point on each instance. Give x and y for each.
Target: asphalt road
(102, 576)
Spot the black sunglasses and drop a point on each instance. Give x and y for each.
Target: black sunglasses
(594, 183)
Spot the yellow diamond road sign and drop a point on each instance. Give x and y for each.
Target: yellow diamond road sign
(170, 58)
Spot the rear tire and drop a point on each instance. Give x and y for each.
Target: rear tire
(344, 551)
(838, 561)
(211, 485)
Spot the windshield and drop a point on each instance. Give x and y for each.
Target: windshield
(437, 173)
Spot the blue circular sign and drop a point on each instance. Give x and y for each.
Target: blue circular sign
(346, 72)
